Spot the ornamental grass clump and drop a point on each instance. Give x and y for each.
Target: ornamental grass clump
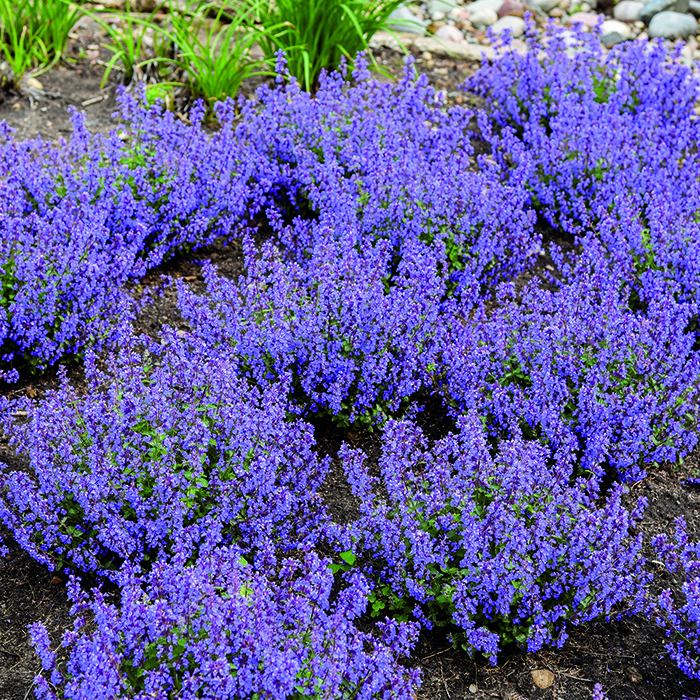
(215, 56)
(600, 381)
(496, 545)
(138, 45)
(680, 616)
(167, 455)
(317, 35)
(227, 629)
(34, 33)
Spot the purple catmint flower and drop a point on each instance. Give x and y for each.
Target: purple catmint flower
(681, 621)
(502, 545)
(167, 455)
(229, 628)
(598, 692)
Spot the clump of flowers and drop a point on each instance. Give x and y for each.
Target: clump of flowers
(356, 330)
(388, 162)
(228, 629)
(84, 217)
(680, 617)
(500, 547)
(598, 693)
(601, 375)
(608, 142)
(167, 455)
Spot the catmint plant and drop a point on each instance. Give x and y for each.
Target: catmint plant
(494, 543)
(609, 142)
(226, 628)
(599, 377)
(680, 617)
(391, 163)
(165, 455)
(356, 335)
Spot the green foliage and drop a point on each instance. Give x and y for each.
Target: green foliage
(205, 47)
(316, 34)
(35, 32)
(215, 55)
(130, 38)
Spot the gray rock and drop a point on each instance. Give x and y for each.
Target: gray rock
(494, 5)
(613, 25)
(695, 7)
(403, 20)
(484, 17)
(672, 25)
(629, 10)
(655, 6)
(515, 24)
(588, 19)
(609, 40)
(449, 33)
(544, 5)
(444, 6)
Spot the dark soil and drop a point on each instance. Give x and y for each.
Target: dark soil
(626, 656)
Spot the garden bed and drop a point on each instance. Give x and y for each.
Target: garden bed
(626, 656)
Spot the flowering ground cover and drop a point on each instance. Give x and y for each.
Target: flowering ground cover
(425, 407)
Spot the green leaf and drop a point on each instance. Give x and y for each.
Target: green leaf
(348, 557)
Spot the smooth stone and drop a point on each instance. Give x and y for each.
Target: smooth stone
(542, 678)
(449, 33)
(613, 25)
(672, 25)
(494, 5)
(403, 20)
(444, 6)
(466, 50)
(694, 7)
(515, 24)
(511, 7)
(545, 5)
(484, 18)
(34, 84)
(556, 12)
(612, 39)
(628, 10)
(588, 19)
(655, 6)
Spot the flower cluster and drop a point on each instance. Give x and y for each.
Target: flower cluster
(604, 377)
(356, 335)
(609, 143)
(501, 546)
(228, 629)
(681, 620)
(172, 455)
(84, 217)
(385, 162)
